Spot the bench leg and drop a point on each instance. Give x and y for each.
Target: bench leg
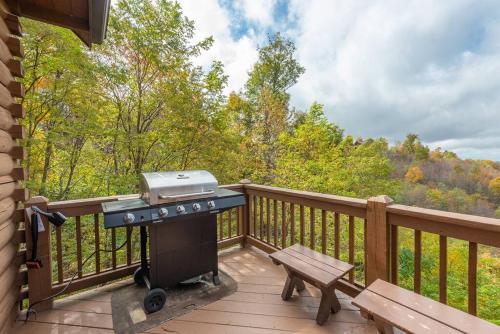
(335, 307)
(288, 288)
(382, 326)
(292, 282)
(329, 302)
(299, 284)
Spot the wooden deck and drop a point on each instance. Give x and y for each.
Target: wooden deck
(256, 307)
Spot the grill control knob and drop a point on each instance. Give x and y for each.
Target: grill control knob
(129, 218)
(163, 212)
(181, 209)
(196, 207)
(211, 204)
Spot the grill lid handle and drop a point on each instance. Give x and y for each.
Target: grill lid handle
(186, 195)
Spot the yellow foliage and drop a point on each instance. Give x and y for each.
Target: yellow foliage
(414, 174)
(494, 187)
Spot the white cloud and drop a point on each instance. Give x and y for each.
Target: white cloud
(386, 68)
(258, 11)
(238, 56)
(381, 67)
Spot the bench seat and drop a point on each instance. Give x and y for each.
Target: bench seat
(304, 264)
(391, 306)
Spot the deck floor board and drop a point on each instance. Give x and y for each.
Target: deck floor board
(255, 308)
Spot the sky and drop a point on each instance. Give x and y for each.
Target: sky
(381, 68)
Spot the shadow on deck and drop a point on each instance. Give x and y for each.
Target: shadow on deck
(256, 307)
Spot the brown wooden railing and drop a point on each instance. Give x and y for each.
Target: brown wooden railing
(332, 225)
(85, 228)
(447, 227)
(365, 233)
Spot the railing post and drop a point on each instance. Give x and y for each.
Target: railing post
(246, 213)
(39, 280)
(377, 239)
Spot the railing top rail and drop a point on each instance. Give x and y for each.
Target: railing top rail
(471, 221)
(351, 201)
(91, 202)
(87, 201)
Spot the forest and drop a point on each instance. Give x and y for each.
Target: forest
(95, 119)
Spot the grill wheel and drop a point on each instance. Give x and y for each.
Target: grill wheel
(154, 300)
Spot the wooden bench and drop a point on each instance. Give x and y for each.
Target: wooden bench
(304, 264)
(391, 306)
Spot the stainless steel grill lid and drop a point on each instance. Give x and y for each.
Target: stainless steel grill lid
(166, 187)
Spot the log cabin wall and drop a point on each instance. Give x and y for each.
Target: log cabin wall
(12, 194)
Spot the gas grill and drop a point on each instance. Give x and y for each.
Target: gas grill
(179, 212)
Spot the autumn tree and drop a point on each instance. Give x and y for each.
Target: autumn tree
(316, 156)
(61, 107)
(165, 111)
(494, 189)
(414, 174)
(275, 71)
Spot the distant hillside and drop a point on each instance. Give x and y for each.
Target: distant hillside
(441, 180)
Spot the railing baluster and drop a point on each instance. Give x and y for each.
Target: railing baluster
(302, 225)
(365, 254)
(417, 283)
(261, 217)
(60, 276)
(97, 244)
(229, 232)
(113, 246)
(275, 221)
(336, 235)
(443, 269)
(472, 274)
(268, 220)
(312, 231)
(238, 220)
(394, 254)
(351, 247)
(129, 246)
(255, 216)
(323, 231)
(292, 223)
(221, 226)
(283, 225)
(79, 246)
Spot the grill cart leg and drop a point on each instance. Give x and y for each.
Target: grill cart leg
(144, 245)
(216, 278)
(141, 274)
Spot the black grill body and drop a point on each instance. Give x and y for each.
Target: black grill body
(182, 244)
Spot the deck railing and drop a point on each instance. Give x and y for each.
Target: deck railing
(366, 233)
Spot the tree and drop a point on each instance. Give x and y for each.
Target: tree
(409, 143)
(165, 113)
(60, 103)
(315, 156)
(275, 71)
(414, 174)
(494, 189)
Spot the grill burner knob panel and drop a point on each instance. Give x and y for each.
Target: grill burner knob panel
(181, 209)
(211, 204)
(163, 212)
(196, 207)
(129, 218)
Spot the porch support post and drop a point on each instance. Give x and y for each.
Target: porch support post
(246, 213)
(39, 280)
(377, 239)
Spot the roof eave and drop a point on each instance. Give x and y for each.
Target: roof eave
(98, 20)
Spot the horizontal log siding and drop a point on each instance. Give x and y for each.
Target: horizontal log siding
(12, 195)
